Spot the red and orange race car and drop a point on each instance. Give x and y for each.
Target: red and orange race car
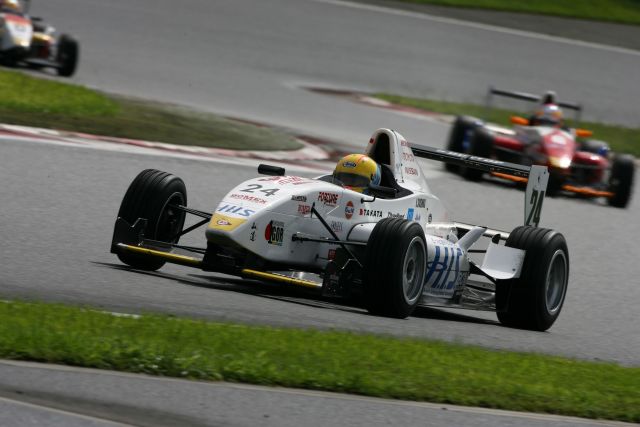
(576, 164)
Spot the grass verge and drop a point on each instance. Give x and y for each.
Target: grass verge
(31, 101)
(622, 11)
(621, 139)
(336, 361)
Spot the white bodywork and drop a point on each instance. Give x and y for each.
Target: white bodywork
(15, 31)
(263, 214)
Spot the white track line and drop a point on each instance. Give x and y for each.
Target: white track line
(486, 27)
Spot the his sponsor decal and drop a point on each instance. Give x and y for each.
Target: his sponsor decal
(224, 222)
(349, 164)
(421, 203)
(394, 215)
(410, 214)
(370, 212)
(348, 210)
(304, 209)
(274, 233)
(411, 171)
(299, 198)
(328, 199)
(235, 210)
(250, 199)
(252, 235)
(336, 226)
(444, 275)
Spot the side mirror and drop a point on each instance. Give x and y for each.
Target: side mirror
(517, 120)
(270, 170)
(583, 133)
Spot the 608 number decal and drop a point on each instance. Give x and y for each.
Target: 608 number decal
(252, 188)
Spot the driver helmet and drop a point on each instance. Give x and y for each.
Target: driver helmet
(357, 171)
(11, 5)
(549, 114)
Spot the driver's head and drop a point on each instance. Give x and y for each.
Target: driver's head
(11, 5)
(549, 115)
(357, 171)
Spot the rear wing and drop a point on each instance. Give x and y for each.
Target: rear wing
(537, 176)
(523, 96)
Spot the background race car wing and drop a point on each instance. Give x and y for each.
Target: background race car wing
(523, 96)
(537, 176)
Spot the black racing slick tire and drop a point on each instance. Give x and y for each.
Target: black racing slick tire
(67, 56)
(481, 145)
(534, 300)
(394, 268)
(459, 131)
(621, 180)
(151, 196)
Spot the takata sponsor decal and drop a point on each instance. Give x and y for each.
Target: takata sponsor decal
(236, 210)
(299, 198)
(304, 209)
(224, 222)
(421, 203)
(336, 226)
(394, 215)
(370, 212)
(274, 233)
(349, 209)
(411, 171)
(349, 164)
(328, 199)
(410, 214)
(444, 276)
(246, 197)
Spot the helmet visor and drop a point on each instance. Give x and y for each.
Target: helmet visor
(352, 180)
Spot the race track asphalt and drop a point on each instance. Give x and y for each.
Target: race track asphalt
(248, 59)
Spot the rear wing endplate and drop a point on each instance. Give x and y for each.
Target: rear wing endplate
(537, 176)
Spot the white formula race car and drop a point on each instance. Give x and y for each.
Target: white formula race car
(391, 250)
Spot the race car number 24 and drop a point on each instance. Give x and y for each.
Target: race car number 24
(252, 188)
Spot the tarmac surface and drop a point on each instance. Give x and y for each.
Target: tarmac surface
(250, 59)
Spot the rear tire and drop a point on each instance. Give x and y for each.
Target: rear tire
(621, 180)
(67, 56)
(395, 268)
(461, 127)
(149, 196)
(534, 300)
(481, 145)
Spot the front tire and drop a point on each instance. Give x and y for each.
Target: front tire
(151, 196)
(534, 300)
(67, 56)
(481, 145)
(462, 127)
(395, 268)
(621, 180)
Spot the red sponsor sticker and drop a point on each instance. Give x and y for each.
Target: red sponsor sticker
(411, 171)
(349, 209)
(329, 199)
(304, 209)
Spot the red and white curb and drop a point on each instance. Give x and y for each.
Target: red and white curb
(308, 158)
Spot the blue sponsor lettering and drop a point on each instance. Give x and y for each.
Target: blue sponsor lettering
(238, 210)
(410, 214)
(446, 262)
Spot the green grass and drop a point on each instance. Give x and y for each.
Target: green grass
(30, 101)
(621, 139)
(622, 11)
(337, 361)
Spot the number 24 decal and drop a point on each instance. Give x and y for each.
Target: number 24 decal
(252, 188)
(537, 197)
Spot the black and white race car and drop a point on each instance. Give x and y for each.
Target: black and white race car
(392, 249)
